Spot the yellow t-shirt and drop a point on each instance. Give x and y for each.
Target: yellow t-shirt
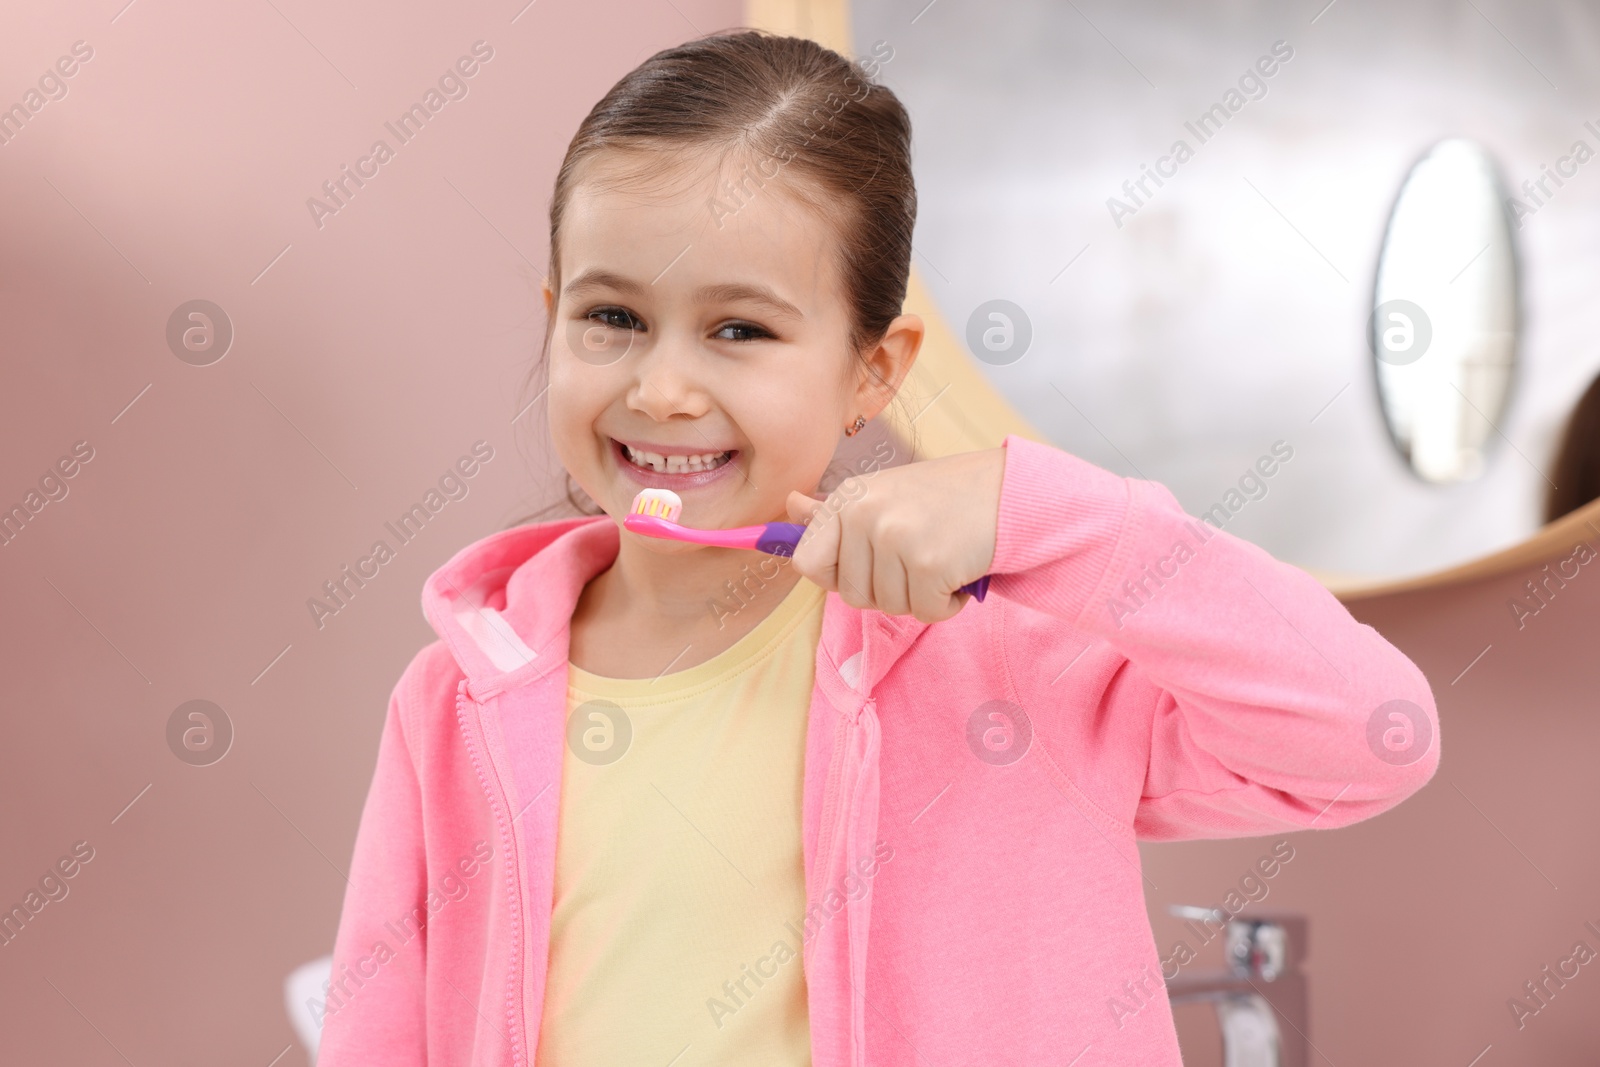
(679, 882)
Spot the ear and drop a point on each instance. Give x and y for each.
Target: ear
(888, 364)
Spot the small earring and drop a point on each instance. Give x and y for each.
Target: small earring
(851, 431)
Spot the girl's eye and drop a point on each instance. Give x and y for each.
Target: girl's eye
(615, 317)
(750, 330)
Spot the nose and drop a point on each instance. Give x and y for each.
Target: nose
(667, 382)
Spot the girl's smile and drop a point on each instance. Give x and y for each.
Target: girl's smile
(661, 466)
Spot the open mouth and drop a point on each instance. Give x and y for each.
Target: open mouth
(685, 463)
(680, 471)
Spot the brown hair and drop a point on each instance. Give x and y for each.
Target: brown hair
(782, 102)
(1577, 471)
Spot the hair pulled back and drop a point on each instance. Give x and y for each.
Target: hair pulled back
(779, 103)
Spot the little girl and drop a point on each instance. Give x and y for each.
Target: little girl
(647, 802)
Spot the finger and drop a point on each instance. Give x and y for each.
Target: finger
(930, 602)
(855, 564)
(817, 555)
(801, 507)
(890, 585)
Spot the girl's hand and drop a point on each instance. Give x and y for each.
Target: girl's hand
(903, 539)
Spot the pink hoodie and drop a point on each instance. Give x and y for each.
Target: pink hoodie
(973, 881)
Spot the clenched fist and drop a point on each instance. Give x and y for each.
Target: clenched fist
(903, 539)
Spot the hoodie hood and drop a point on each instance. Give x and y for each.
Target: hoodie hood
(503, 606)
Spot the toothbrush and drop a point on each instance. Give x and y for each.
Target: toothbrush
(655, 514)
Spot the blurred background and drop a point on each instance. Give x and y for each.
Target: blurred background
(215, 396)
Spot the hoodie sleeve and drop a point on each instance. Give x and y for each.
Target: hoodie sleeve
(374, 1008)
(1273, 708)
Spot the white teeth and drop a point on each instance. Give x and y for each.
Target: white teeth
(679, 464)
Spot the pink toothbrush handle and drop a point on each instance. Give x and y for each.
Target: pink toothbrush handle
(654, 526)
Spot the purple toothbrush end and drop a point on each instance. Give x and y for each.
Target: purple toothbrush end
(780, 538)
(979, 589)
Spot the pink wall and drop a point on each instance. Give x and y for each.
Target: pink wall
(368, 357)
(366, 360)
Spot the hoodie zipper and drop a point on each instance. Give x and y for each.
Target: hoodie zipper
(830, 798)
(839, 818)
(853, 934)
(492, 793)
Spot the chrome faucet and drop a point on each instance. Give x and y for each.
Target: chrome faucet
(1260, 996)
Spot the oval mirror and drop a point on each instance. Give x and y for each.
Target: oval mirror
(1444, 319)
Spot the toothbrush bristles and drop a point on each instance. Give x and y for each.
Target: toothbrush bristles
(661, 503)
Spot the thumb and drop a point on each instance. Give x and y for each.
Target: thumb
(800, 506)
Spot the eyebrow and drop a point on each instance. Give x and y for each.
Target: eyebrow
(726, 292)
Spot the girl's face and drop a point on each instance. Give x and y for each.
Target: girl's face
(699, 345)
